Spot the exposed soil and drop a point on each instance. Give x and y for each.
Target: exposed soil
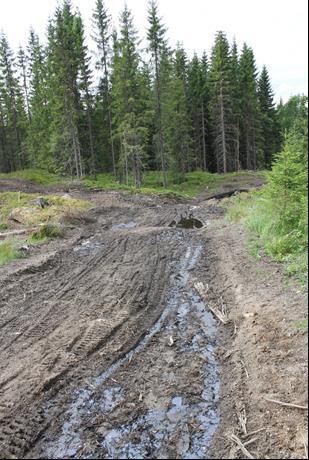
(108, 351)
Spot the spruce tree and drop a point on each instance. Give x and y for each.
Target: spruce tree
(128, 103)
(270, 137)
(64, 67)
(249, 137)
(102, 36)
(223, 127)
(38, 132)
(158, 50)
(235, 92)
(176, 118)
(13, 110)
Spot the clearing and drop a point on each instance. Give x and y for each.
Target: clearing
(109, 347)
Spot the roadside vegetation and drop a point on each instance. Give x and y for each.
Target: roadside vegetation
(189, 186)
(30, 219)
(38, 176)
(278, 214)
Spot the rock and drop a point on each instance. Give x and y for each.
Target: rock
(41, 202)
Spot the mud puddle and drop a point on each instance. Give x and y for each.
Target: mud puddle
(187, 223)
(148, 433)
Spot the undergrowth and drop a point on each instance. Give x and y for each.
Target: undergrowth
(278, 214)
(8, 251)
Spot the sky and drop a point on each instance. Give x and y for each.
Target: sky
(277, 30)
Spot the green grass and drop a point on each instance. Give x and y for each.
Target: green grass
(268, 234)
(193, 183)
(302, 325)
(8, 251)
(46, 232)
(24, 205)
(39, 176)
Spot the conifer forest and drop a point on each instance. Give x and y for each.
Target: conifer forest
(153, 230)
(126, 110)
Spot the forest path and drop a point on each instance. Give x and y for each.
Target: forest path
(108, 351)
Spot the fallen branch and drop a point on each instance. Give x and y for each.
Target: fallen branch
(17, 232)
(237, 441)
(202, 291)
(281, 403)
(242, 417)
(254, 432)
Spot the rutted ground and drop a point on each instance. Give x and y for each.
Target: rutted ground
(67, 319)
(107, 350)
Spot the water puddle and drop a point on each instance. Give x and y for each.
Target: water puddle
(87, 247)
(149, 436)
(123, 226)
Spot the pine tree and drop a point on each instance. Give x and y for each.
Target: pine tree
(221, 106)
(249, 109)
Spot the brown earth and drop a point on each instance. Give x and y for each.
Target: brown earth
(108, 351)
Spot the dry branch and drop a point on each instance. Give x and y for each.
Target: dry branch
(202, 291)
(238, 442)
(281, 403)
(16, 232)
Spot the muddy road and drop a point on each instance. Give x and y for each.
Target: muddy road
(107, 351)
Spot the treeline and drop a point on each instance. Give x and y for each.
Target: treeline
(128, 109)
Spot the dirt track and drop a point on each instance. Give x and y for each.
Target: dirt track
(107, 351)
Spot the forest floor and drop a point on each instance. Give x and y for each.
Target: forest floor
(109, 347)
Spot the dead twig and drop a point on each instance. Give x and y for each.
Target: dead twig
(254, 432)
(242, 417)
(245, 369)
(221, 315)
(238, 442)
(251, 441)
(281, 403)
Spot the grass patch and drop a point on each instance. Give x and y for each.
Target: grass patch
(192, 184)
(23, 208)
(269, 234)
(38, 176)
(45, 232)
(8, 251)
(302, 325)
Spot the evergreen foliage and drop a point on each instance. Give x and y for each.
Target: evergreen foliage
(125, 110)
